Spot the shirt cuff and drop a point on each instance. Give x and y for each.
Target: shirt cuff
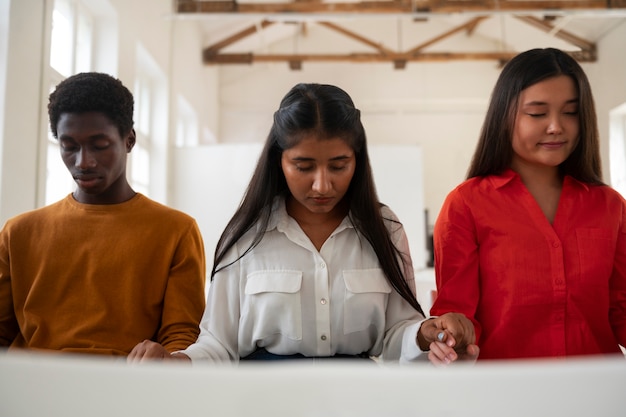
(410, 349)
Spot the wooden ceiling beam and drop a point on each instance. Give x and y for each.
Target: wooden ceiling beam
(215, 48)
(212, 54)
(392, 6)
(587, 47)
(469, 26)
(250, 58)
(357, 37)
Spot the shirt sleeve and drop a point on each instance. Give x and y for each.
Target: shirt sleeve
(184, 298)
(617, 285)
(456, 260)
(411, 351)
(219, 328)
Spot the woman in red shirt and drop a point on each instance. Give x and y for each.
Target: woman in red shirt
(532, 246)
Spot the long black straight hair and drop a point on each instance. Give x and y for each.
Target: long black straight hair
(327, 112)
(494, 151)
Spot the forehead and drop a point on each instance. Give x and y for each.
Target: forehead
(559, 89)
(86, 124)
(314, 147)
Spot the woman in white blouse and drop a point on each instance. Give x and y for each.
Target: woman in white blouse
(312, 265)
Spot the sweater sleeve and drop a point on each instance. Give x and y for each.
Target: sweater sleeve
(184, 298)
(8, 322)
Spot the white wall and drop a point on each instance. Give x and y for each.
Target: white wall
(608, 80)
(4, 53)
(196, 82)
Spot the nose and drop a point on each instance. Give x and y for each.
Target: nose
(321, 182)
(555, 127)
(84, 159)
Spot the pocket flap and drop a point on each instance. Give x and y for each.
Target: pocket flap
(366, 280)
(273, 281)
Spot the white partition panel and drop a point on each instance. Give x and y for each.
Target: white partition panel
(209, 184)
(64, 386)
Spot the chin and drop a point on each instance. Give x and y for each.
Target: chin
(320, 209)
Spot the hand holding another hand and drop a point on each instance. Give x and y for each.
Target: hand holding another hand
(148, 349)
(448, 338)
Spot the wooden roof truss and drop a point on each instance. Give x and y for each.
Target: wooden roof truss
(476, 11)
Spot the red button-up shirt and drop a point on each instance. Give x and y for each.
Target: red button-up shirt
(534, 289)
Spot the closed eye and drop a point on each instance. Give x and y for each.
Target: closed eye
(338, 168)
(304, 168)
(68, 146)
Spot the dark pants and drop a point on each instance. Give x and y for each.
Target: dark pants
(263, 355)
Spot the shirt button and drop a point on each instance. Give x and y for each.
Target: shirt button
(322, 265)
(323, 337)
(323, 301)
(555, 244)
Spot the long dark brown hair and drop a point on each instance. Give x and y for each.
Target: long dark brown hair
(327, 112)
(494, 151)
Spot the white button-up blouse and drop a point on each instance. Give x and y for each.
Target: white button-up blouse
(288, 298)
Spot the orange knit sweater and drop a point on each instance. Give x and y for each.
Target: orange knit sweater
(101, 278)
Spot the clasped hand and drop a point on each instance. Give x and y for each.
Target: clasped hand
(448, 338)
(148, 350)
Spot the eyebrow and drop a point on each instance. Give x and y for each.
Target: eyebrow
(543, 103)
(306, 159)
(97, 136)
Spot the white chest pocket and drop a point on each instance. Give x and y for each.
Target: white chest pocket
(272, 304)
(367, 293)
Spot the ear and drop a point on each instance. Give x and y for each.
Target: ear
(131, 139)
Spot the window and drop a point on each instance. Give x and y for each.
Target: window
(140, 155)
(148, 162)
(186, 125)
(70, 52)
(71, 40)
(617, 148)
(62, 38)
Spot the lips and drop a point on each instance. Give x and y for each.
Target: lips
(86, 180)
(552, 145)
(322, 200)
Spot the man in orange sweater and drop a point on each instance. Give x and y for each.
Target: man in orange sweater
(105, 268)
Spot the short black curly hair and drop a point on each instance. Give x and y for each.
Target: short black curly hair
(92, 91)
